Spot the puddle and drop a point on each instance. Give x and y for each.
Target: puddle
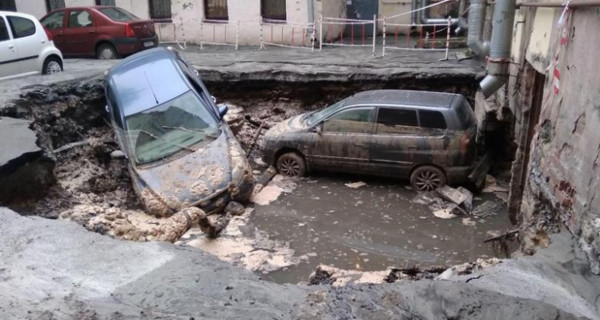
(370, 228)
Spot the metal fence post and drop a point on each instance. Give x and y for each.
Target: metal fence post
(237, 34)
(374, 31)
(321, 33)
(383, 52)
(262, 45)
(448, 37)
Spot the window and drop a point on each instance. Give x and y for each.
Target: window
(432, 119)
(160, 9)
(395, 120)
(79, 19)
(3, 31)
(216, 9)
(273, 9)
(105, 3)
(118, 14)
(54, 4)
(54, 21)
(353, 120)
(8, 5)
(21, 27)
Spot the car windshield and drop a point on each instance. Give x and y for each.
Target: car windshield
(317, 116)
(171, 127)
(118, 14)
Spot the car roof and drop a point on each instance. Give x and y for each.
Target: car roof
(147, 79)
(18, 14)
(430, 99)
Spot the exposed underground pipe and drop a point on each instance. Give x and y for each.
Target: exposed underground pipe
(475, 33)
(499, 58)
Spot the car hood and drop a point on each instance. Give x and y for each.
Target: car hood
(290, 125)
(186, 180)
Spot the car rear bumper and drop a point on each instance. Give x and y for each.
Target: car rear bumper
(130, 45)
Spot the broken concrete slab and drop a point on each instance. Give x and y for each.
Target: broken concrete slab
(130, 280)
(25, 170)
(450, 194)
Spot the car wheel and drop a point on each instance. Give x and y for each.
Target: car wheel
(52, 65)
(106, 52)
(291, 164)
(427, 178)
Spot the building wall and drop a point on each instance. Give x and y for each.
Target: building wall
(34, 7)
(388, 8)
(562, 181)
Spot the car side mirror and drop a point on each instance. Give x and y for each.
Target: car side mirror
(223, 110)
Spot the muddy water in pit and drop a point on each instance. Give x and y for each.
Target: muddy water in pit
(370, 228)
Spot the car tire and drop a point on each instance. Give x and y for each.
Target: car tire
(52, 65)
(106, 51)
(427, 178)
(291, 164)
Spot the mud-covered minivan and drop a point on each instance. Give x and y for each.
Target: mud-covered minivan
(427, 137)
(181, 152)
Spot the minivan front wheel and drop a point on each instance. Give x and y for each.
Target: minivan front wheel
(427, 178)
(291, 164)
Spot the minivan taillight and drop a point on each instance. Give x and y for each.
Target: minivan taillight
(464, 143)
(129, 31)
(48, 34)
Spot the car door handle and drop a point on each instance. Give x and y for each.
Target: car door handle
(11, 46)
(91, 32)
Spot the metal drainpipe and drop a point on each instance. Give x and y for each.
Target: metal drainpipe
(499, 59)
(475, 41)
(311, 11)
(413, 14)
(461, 20)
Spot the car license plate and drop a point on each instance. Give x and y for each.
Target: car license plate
(148, 44)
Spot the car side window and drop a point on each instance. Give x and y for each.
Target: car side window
(80, 19)
(21, 27)
(397, 121)
(358, 120)
(3, 31)
(54, 21)
(432, 119)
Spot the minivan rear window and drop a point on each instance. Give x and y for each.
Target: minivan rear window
(432, 119)
(118, 14)
(465, 114)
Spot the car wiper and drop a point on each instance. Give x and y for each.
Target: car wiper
(191, 130)
(169, 142)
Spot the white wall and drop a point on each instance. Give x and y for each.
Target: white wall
(138, 7)
(34, 7)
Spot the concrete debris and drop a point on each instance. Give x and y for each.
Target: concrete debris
(491, 185)
(234, 208)
(355, 185)
(26, 171)
(214, 224)
(271, 192)
(468, 202)
(329, 275)
(445, 213)
(241, 243)
(468, 222)
(450, 194)
(468, 268)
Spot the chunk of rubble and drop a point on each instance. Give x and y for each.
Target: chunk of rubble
(234, 208)
(325, 274)
(468, 268)
(450, 194)
(26, 171)
(491, 185)
(355, 185)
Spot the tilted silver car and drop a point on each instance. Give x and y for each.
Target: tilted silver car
(181, 153)
(427, 137)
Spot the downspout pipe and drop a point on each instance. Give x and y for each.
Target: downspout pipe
(475, 41)
(311, 11)
(499, 58)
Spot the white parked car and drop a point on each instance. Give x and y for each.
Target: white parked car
(26, 47)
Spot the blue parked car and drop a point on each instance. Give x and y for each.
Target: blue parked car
(181, 152)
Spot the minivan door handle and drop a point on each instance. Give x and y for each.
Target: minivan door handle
(10, 46)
